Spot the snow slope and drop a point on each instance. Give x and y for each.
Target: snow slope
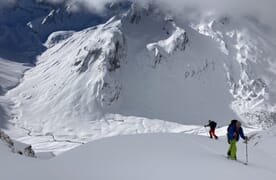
(264, 139)
(105, 70)
(109, 76)
(97, 70)
(155, 156)
(249, 43)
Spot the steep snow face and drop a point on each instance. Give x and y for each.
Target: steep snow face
(107, 69)
(251, 77)
(172, 72)
(71, 83)
(117, 77)
(56, 106)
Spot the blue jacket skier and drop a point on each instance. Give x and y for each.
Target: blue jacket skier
(234, 133)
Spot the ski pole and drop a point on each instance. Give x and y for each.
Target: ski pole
(246, 148)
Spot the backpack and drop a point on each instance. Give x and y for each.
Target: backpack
(215, 124)
(234, 121)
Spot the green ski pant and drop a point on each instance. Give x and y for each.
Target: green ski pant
(232, 149)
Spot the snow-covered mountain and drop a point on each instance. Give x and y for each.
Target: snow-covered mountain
(135, 69)
(27, 23)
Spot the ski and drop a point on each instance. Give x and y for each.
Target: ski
(237, 160)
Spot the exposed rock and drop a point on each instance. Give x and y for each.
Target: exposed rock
(27, 151)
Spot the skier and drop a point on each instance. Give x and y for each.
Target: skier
(234, 121)
(234, 131)
(212, 125)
